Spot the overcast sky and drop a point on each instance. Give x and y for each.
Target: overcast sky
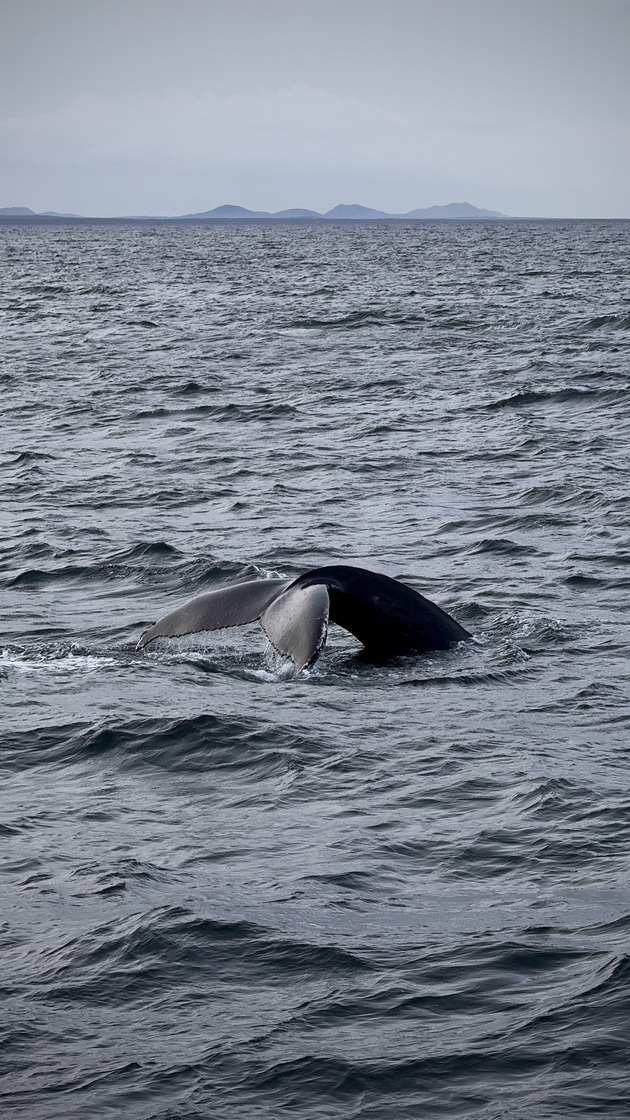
(176, 106)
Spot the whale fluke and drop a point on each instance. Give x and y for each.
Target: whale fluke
(386, 616)
(296, 623)
(228, 606)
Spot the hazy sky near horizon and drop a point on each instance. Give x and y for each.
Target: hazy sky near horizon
(176, 106)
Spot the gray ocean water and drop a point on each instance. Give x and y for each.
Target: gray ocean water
(375, 891)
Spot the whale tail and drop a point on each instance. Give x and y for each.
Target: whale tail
(386, 616)
(228, 606)
(296, 623)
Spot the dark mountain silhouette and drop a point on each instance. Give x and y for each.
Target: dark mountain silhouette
(343, 212)
(454, 210)
(24, 212)
(355, 211)
(296, 213)
(230, 212)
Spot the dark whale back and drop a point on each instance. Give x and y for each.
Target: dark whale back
(386, 616)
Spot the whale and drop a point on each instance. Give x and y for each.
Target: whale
(388, 617)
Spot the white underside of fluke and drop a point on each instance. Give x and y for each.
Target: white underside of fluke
(296, 623)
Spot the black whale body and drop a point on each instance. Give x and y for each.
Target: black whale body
(386, 616)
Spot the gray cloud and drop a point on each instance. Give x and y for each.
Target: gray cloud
(167, 107)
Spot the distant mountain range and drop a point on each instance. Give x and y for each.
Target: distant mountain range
(24, 212)
(454, 210)
(352, 213)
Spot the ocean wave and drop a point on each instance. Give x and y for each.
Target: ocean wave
(356, 320)
(221, 412)
(466, 679)
(156, 561)
(143, 956)
(619, 321)
(565, 395)
(197, 744)
(502, 546)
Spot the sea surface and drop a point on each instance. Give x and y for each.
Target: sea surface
(378, 892)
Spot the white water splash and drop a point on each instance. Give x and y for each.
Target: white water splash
(12, 661)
